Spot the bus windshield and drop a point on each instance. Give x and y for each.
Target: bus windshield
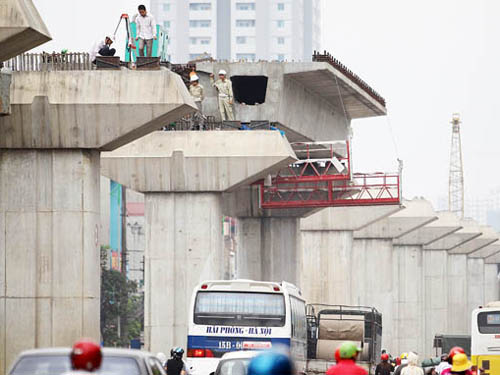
(239, 309)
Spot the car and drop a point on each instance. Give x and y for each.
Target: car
(115, 361)
(235, 363)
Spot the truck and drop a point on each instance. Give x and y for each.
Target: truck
(330, 325)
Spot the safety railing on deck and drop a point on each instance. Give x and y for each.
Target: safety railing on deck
(42, 62)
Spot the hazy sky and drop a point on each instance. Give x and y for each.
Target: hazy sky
(427, 58)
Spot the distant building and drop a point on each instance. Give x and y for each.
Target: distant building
(486, 209)
(240, 29)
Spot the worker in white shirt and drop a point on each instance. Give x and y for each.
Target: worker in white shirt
(101, 48)
(146, 30)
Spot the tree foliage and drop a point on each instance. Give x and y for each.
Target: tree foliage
(120, 304)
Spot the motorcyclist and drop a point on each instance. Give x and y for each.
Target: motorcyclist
(384, 367)
(175, 365)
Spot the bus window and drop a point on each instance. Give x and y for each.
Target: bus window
(489, 322)
(298, 318)
(239, 309)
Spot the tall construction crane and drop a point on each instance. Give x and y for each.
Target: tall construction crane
(456, 177)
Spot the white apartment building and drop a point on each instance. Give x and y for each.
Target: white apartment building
(240, 29)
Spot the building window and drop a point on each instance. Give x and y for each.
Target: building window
(205, 41)
(245, 56)
(281, 40)
(241, 40)
(194, 56)
(245, 6)
(200, 23)
(166, 7)
(281, 6)
(281, 57)
(200, 6)
(280, 24)
(245, 23)
(166, 24)
(200, 40)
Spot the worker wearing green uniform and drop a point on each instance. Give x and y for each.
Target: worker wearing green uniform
(225, 89)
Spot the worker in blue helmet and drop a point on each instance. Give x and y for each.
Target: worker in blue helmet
(271, 363)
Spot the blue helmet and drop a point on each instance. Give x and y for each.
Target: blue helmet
(271, 363)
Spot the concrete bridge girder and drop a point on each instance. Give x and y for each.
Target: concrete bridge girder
(50, 194)
(21, 28)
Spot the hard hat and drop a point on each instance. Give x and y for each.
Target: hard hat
(337, 355)
(269, 363)
(404, 356)
(348, 349)
(384, 357)
(194, 77)
(86, 355)
(222, 72)
(460, 363)
(455, 350)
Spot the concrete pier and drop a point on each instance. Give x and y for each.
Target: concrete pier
(392, 288)
(183, 176)
(49, 194)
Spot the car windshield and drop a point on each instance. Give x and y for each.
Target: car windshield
(233, 367)
(60, 364)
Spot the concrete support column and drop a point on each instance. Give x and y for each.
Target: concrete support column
(249, 248)
(280, 249)
(458, 318)
(326, 272)
(269, 249)
(409, 298)
(49, 249)
(475, 283)
(491, 283)
(183, 248)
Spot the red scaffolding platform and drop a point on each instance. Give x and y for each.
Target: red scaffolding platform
(322, 177)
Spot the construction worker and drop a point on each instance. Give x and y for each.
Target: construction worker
(85, 357)
(197, 92)
(225, 89)
(384, 367)
(101, 48)
(347, 365)
(146, 30)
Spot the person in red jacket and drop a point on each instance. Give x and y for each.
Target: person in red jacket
(347, 364)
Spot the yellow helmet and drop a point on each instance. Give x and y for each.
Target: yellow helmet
(460, 363)
(404, 356)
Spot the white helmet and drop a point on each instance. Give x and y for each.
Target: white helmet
(162, 358)
(222, 72)
(194, 77)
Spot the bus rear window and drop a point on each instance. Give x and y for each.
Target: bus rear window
(489, 322)
(239, 309)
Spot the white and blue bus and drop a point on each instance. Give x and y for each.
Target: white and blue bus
(230, 315)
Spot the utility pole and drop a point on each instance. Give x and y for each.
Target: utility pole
(456, 177)
(123, 314)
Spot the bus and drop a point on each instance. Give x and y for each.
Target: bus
(231, 315)
(485, 338)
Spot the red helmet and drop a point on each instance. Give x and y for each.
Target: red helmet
(337, 355)
(86, 356)
(455, 350)
(385, 357)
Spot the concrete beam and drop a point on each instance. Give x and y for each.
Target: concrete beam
(347, 218)
(21, 28)
(455, 239)
(299, 97)
(486, 251)
(197, 161)
(432, 232)
(91, 109)
(493, 259)
(487, 237)
(417, 214)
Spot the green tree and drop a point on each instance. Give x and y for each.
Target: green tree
(120, 304)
